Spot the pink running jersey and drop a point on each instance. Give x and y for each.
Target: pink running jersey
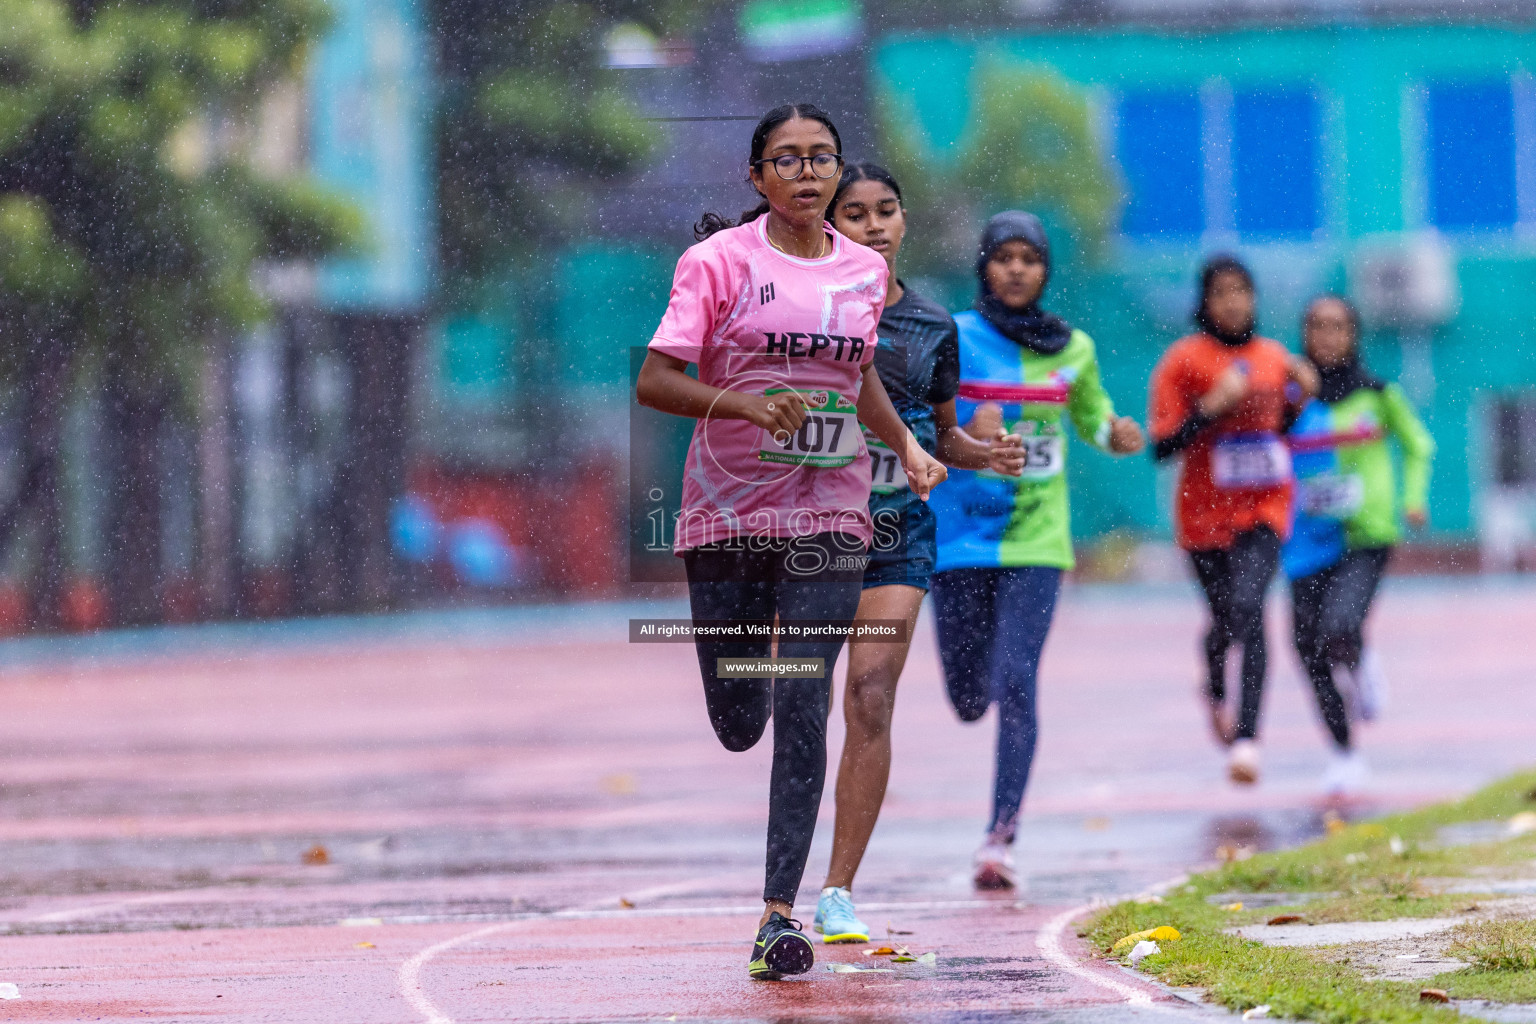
(755, 319)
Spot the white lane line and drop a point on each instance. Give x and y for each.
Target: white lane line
(410, 971)
(92, 909)
(409, 982)
(595, 915)
(1048, 941)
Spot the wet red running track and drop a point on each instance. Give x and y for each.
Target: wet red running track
(525, 818)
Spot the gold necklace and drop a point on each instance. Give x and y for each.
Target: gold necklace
(819, 253)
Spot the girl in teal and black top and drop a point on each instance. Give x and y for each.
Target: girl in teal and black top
(1347, 503)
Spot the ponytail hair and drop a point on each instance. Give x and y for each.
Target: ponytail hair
(713, 222)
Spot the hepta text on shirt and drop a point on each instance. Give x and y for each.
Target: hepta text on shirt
(809, 346)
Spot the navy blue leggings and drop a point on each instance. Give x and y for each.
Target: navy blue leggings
(992, 626)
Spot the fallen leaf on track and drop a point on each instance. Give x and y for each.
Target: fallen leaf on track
(316, 855)
(1284, 919)
(851, 969)
(620, 785)
(1434, 995)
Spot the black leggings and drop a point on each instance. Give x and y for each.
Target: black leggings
(818, 579)
(1235, 580)
(1328, 610)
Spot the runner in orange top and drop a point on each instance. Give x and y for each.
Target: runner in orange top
(1223, 398)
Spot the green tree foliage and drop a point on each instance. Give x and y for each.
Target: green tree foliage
(1029, 142)
(101, 224)
(531, 120)
(131, 221)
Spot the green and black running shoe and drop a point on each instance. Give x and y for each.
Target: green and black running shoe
(780, 949)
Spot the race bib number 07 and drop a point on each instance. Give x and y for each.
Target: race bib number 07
(828, 438)
(1250, 461)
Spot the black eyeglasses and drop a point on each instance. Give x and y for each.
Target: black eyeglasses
(789, 166)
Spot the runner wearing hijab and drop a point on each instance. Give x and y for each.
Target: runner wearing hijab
(1221, 397)
(918, 359)
(1003, 542)
(1347, 505)
(779, 312)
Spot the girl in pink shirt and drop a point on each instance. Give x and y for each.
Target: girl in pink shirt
(779, 313)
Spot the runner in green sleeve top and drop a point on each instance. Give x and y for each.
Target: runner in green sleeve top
(1346, 522)
(1004, 541)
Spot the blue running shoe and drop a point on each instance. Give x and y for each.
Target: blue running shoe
(835, 918)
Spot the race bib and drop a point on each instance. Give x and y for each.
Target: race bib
(1250, 461)
(887, 476)
(828, 438)
(1042, 451)
(1331, 495)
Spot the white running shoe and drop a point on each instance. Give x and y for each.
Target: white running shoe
(1370, 686)
(1346, 773)
(1243, 763)
(994, 866)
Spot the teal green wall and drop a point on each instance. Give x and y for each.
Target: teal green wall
(597, 301)
(1137, 301)
(601, 299)
(610, 298)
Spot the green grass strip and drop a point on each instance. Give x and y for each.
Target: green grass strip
(1364, 872)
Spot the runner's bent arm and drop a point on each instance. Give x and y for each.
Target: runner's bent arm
(1417, 446)
(1304, 374)
(1173, 419)
(1093, 413)
(963, 451)
(994, 449)
(664, 385)
(878, 414)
